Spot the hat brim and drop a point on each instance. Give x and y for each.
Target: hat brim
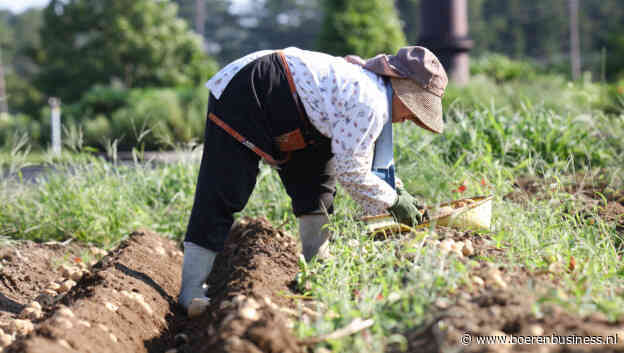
(426, 106)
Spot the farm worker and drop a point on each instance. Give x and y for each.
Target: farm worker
(317, 118)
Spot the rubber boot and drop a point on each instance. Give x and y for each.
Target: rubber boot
(313, 236)
(198, 262)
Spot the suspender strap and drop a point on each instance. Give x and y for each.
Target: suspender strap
(240, 138)
(293, 90)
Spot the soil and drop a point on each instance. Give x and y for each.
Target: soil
(592, 196)
(258, 262)
(127, 301)
(510, 307)
(592, 185)
(118, 306)
(28, 267)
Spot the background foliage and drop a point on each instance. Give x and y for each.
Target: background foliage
(362, 27)
(109, 64)
(135, 43)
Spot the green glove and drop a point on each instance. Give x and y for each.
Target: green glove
(404, 209)
(401, 191)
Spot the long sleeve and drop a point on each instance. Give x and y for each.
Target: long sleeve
(349, 105)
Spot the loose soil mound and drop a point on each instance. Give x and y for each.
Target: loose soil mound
(252, 279)
(26, 268)
(127, 303)
(118, 306)
(504, 302)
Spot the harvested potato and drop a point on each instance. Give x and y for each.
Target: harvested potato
(35, 305)
(64, 343)
(112, 307)
(445, 210)
(5, 339)
(31, 313)
(83, 323)
(139, 299)
(446, 245)
(198, 306)
(21, 327)
(468, 249)
(65, 312)
(478, 281)
(62, 322)
(66, 286)
(76, 275)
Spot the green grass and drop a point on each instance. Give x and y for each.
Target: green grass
(486, 146)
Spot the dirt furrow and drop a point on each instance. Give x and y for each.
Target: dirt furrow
(250, 282)
(127, 302)
(119, 306)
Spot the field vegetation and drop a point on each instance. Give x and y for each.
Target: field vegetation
(509, 123)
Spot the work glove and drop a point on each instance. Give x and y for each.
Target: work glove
(405, 209)
(423, 209)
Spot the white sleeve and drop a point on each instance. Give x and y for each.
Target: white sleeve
(358, 125)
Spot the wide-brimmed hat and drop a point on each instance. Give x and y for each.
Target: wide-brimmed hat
(418, 79)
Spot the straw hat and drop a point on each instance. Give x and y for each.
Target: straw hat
(418, 79)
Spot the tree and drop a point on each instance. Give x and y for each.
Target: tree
(409, 13)
(362, 27)
(233, 29)
(137, 43)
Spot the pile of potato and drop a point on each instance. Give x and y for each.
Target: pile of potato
(23, 325)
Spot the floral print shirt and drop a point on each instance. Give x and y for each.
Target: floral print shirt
(344, 102)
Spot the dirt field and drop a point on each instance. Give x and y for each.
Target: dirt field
(126, 302)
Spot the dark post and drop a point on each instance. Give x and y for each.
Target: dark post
(200, 19)
(445, 32)
(575, 47)
(4, 106)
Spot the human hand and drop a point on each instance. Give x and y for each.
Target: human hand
(405, 209)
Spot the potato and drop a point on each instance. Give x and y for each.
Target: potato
(468, 250)
(249, 313)
(31, 313)
(5, 339)
(64, 343)
(66, 286)
(478, 281)
(62, 322)
(22, 327)
(198, 306)
(35, 305)
(110, 306)
(65, 312)
(76, 275)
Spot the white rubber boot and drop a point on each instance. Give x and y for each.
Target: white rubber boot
(198, 262)
(313, 236)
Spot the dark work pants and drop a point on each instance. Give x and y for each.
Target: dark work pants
(228, 169)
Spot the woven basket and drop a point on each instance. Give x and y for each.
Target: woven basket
(474, 213)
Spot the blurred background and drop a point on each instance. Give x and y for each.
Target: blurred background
(130, 72)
